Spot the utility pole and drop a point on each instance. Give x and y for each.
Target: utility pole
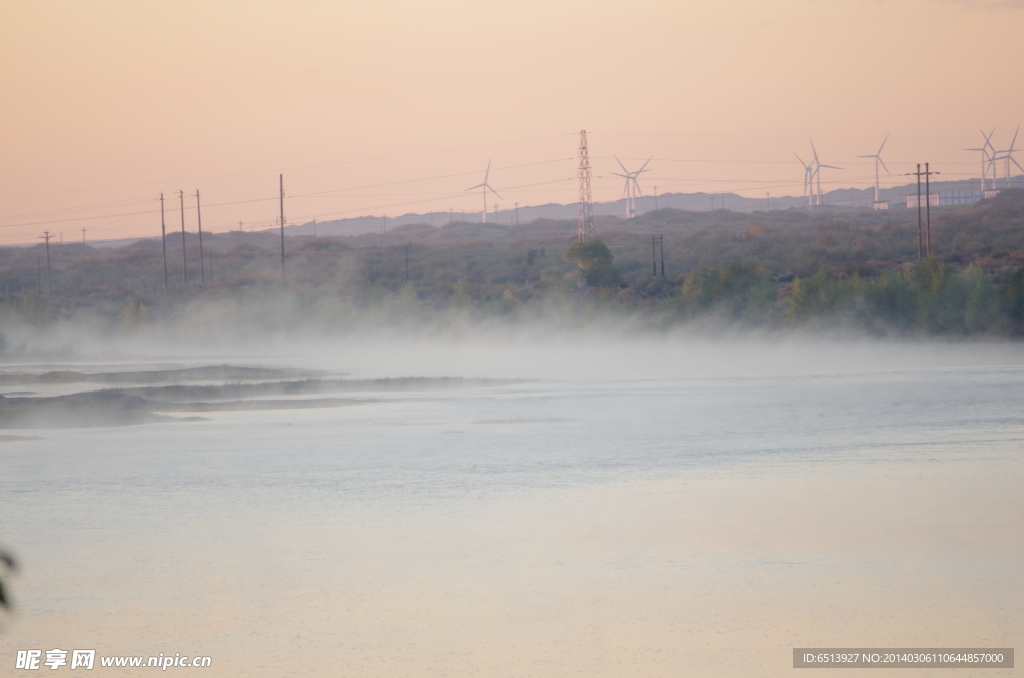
(927, 244)
(928, 209)
(199, 222)
(655, 198)
(47, 237)
(281, 179)
(184, 263)
(658, 242)
(585, 229)
(768, 200)
(517, 213)
(451, 216)
(83, 236)
(163, 238)
(314, 227)
(39, 270)
(661, 243)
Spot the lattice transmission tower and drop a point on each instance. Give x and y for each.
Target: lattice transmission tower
(586, 225)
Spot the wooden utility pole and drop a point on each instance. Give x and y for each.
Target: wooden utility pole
(661, 243)
(46, 236)
(924, 240)
(657, 242)
(928, 209)
(163, 238)
(918, 175)
(281, 197)
(199, 222)
(83, 236)
(184, 263)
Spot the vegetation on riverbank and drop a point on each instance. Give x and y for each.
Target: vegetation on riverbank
(777, 270)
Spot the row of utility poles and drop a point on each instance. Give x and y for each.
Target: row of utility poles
(184, 253)
(184, 259)
(928, 208)
(199, 224)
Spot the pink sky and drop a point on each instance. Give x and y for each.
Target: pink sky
(394, 107)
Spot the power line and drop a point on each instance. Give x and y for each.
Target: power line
(301, 167)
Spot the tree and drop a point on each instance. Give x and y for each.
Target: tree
(8, 562)
(588, 254)
(595, 259)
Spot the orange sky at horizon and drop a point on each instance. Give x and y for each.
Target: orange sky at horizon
(397, 106)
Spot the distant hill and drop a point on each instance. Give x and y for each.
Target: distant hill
(691, 202)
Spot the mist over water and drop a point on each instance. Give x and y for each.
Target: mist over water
(583, 502)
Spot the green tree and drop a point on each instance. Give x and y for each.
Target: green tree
(596, 261)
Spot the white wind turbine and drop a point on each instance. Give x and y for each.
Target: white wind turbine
(486, 187)
(817, 171)
(878, 161)
(987, 159)
(632, 188)
(808, 179)
(1007, 155)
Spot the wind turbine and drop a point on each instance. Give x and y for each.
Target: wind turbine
(632, 188)
(1007, 155)
(808, 179)
(878, 161)
(817, 170)
(487, 187)
(986, 158)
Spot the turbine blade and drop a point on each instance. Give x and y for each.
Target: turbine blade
(801, 161)
(883, 144)
(473, 188)
(620, 163)
(830, 167)
(487, 187)
(637, 187)
(1014, 161)
(644, 165)
(488, 171)
(886, 168)
(988, 138)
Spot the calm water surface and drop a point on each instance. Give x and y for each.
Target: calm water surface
(593, 522)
